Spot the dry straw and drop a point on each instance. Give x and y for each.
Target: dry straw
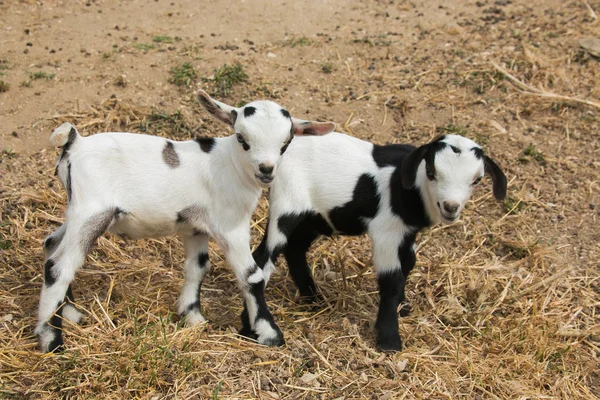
(505, 302)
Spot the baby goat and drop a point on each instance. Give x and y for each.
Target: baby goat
(337, 184)
(141, 186)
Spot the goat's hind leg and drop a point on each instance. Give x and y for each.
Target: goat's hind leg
(408, 260)
(295, 254)
(197, 265)
(69, 310)
(59, 270)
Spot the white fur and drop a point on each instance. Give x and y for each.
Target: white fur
(71, 313)
(455, 174)
(127, 177)
(320, 173)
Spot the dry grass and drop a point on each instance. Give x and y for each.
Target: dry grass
(506, 302)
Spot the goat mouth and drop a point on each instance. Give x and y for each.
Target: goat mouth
(266, 179)
(447, 218)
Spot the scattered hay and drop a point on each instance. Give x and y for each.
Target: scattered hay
(505, 302)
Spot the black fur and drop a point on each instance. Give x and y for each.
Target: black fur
(411, 161)
(285, 113)
(498, 178)
(55, 323)
(390, 155)
(68, 184)
(170, 156)
(258, 292)
(49, 278)
(249, 111)
(478, 152)
(50, 244)
(295, 255)
(391, 293)
(190, 214)
(206, 144)
(285, 146)
(70, 140)
(202, 259)
(349, 218)
(69, 296)
(407, 203)
(407, 257)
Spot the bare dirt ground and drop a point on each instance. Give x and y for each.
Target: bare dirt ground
(506, 303)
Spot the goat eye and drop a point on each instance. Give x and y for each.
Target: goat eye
(241, 140)
(430, 174)
(476, 181)
(285, 146)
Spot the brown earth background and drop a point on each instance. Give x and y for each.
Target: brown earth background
(506, 302)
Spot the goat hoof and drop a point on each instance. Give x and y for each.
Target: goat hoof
(248, 332)
(194, 318)
(50, 339)
(405, 310)
(272, 341)
(389, 344)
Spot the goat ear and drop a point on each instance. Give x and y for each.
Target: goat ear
(498, 177)
(301, 127)
(221, 111)
(410, 164)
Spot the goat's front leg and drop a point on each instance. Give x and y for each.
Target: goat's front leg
(251, 278)
(386, 256)
(197, 265)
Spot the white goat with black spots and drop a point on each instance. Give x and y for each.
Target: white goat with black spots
(337, 184)
(142, 186)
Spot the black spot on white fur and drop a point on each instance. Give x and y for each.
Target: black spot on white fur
(478, 152)
(95, 226)
(285, 113)
(49, 278)
(191, 215)
(249, 111)
(68, 184)
(206, 144)
(349, 219)
(70, 140)
(170, 156)
(390, 155)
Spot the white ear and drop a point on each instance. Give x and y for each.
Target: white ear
(302, 127)
(221, 111)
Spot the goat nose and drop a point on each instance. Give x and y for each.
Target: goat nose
(265, 169)
(450, 206)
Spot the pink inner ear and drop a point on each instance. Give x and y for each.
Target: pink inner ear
(312, 128)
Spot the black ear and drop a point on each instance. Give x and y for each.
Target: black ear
(498, 178)
(410, 164)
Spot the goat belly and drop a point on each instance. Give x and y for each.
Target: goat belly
(128, 225)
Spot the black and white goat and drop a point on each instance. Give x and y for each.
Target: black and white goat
(337, 184)
(142, 186)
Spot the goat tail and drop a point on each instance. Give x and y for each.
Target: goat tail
(64, 135)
